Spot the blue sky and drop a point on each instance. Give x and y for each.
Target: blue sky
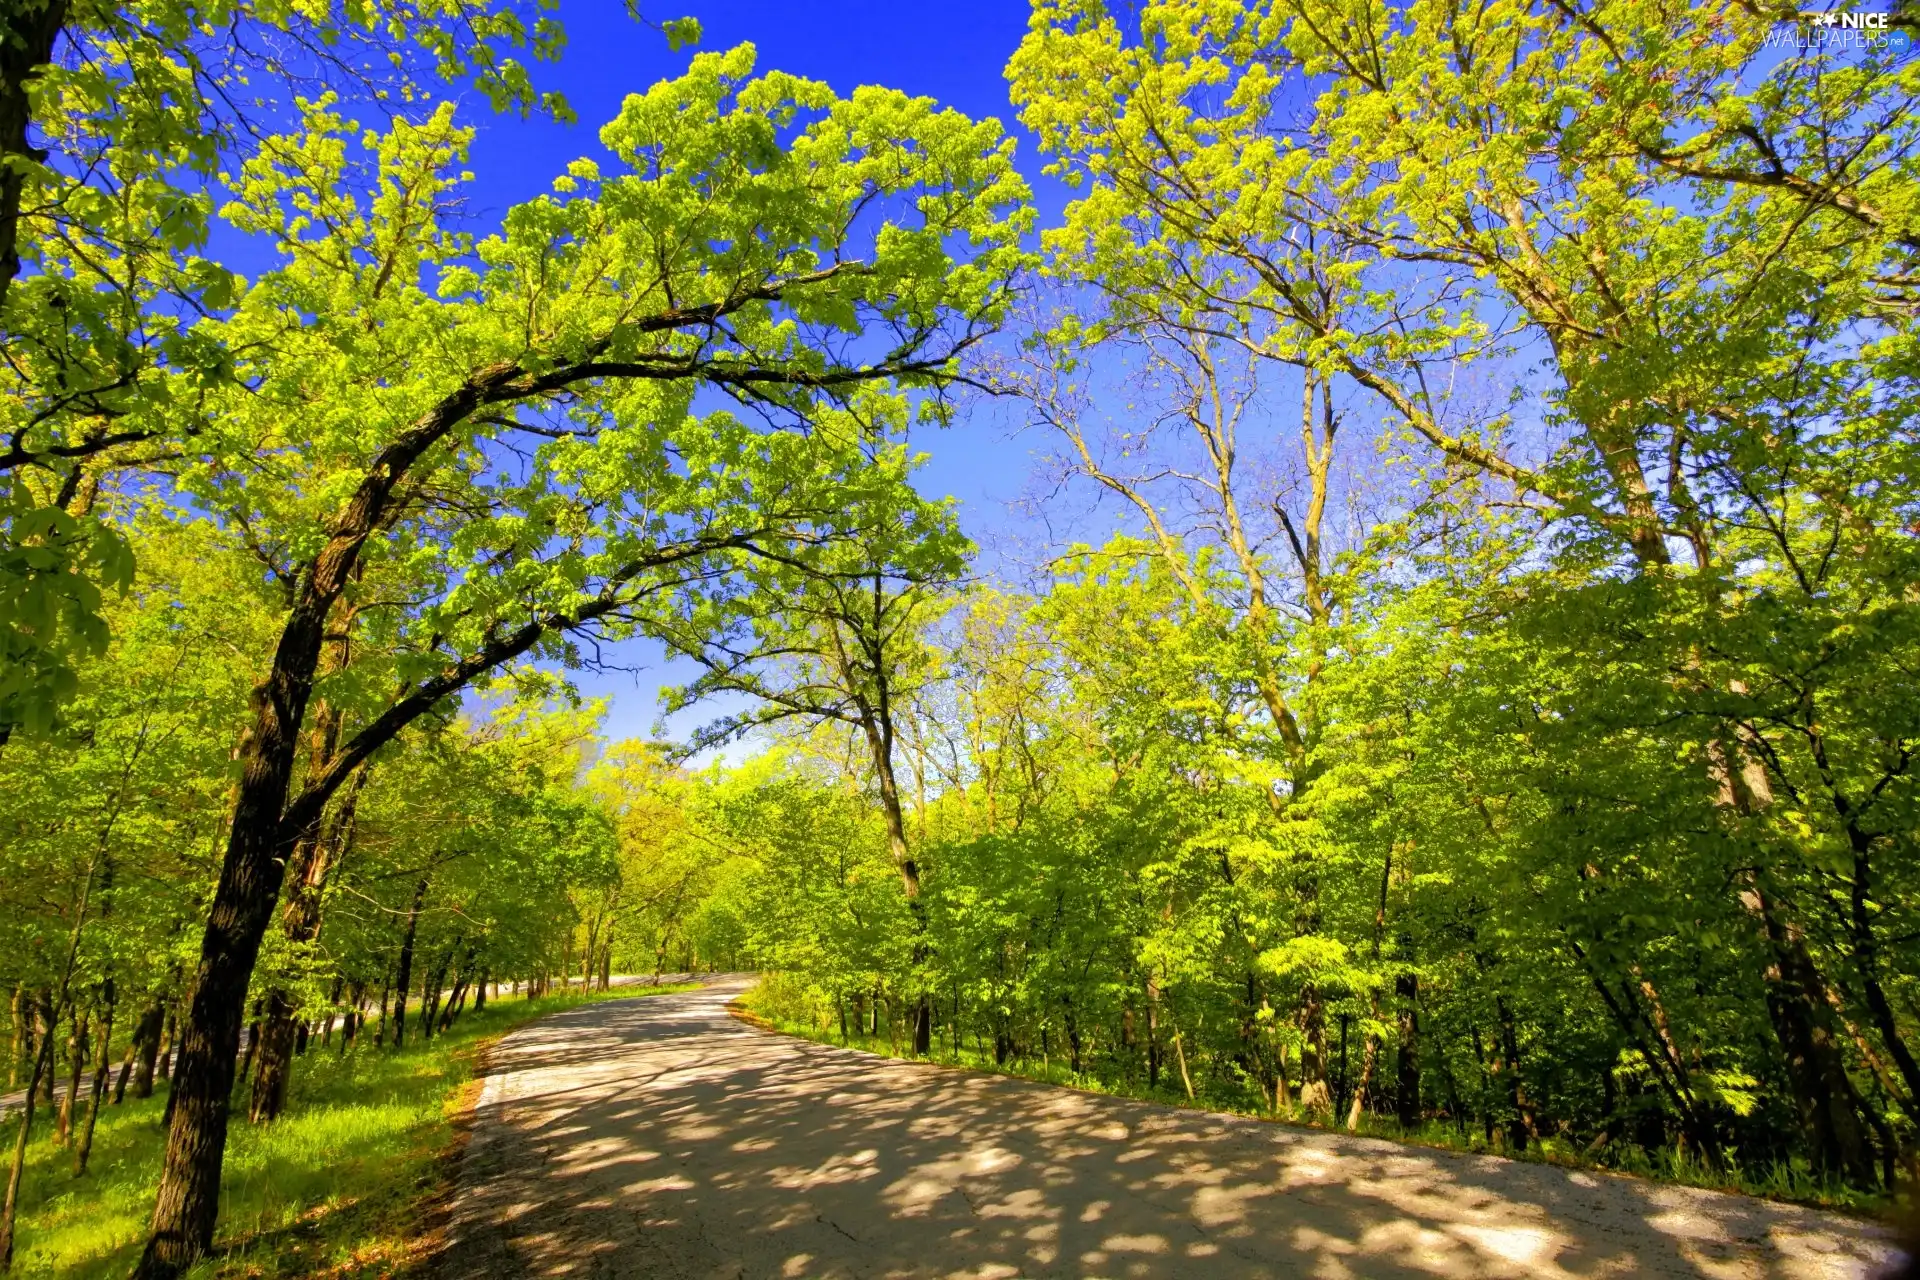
(955, 54)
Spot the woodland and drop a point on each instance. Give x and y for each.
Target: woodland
(1478, 700)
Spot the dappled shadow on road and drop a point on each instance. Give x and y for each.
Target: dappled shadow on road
(660, 1137)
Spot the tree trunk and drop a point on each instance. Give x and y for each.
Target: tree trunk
(1866, 952)
(314, 857)
(1368, 1060)
(430, 990)
(878, 725)
(188, 1201)
(49, 1030)
(1315, 1095)
(463, 982)
(405, 978)
(1180, 1056)
(21, 1056)
(1520, 1125)
(146, 1047)
(77, 1063)
(168, 1044)
(261, 834)
(1798, 1008)
(275, 1072)
(356, 1015)
(42, 1068)
(127, 1061)
(28, 35)
(252, 1041)
(1407, 1083)
(103, 1065)
(1153, 1034)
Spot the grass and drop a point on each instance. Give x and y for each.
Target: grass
(345, 1183)
(773, 1008)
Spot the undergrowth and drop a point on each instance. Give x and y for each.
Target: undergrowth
(1790, 1182)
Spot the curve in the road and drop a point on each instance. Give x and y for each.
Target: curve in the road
(660, 1137)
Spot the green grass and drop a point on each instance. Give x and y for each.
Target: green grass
(343, 1184)
(1795, 1182)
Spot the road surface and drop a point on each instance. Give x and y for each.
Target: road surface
(663, 1138)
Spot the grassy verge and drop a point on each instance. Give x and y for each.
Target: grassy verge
(771, 1008)
(344, 1184)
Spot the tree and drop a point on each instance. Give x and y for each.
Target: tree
(833, 633)
(412, 368)
(1698, 243)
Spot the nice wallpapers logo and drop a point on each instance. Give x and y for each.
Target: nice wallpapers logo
(1837, 30)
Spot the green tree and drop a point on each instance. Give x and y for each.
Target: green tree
(394, 366)
(834, 633)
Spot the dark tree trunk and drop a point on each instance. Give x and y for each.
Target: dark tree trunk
(258, 846)
(252, 1041)
(126, 1071)
(1866, 952)
(430, 991)
(1340, 1098)
(1153, 1035)
(264, 826)
(314, 858)
(276, 1059)
(1803, 1024)
(405, 976)
(463, 979)
(103, 1066)
(333, 1004)
(1519, 1126)
(1407, 1077)
(146, 1045)
(1363, 1092)
(356, 1014)
(169, 1043)
(27, 38)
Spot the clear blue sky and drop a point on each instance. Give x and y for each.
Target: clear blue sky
(954, 53)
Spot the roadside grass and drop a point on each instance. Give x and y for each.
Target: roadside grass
(343, 1184)
(769, 1006)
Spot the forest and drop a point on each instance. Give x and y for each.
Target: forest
(1475, 695)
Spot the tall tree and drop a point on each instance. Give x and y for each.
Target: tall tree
(753, 229)
(835, 633)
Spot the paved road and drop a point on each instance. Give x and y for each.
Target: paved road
(662, 1138)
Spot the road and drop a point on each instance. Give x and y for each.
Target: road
(663, 1138)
